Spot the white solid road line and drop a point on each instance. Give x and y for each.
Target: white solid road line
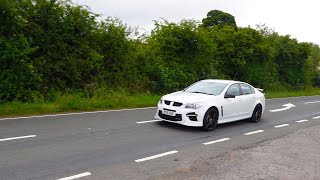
(156, 156)
(77, 113)
(20, 137)
(303, 120)
(317, 117)
(254, 132)
(141, 122)
(312, 102)
(76, 176)
(216, 141)
(281, 125)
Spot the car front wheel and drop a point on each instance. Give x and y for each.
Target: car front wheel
(257, 113)
(210, 119)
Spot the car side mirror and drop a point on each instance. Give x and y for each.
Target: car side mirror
(229, 96)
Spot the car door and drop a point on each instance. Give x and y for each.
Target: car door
(247, 98)
(232, 107)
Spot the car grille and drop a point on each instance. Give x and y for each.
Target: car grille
(176, 104)
(177, 117)
(167, 102)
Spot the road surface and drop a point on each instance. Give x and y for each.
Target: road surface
(129, 144)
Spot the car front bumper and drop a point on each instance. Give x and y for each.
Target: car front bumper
(187, 117)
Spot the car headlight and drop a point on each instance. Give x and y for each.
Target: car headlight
(193, 106)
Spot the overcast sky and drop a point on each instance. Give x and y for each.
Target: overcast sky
(298, 18)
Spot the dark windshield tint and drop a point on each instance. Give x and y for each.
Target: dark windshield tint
(212, 88)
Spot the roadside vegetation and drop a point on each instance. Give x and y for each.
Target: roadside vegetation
(78, 102)
(56, 56)
(75, 102)
(293, 93)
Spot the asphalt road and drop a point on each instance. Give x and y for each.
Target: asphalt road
(112, 145)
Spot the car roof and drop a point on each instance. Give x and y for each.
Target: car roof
(221, 81)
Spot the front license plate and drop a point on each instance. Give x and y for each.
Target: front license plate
(169, 113)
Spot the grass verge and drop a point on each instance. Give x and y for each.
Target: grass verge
(104, 100)
(77, 102)
(282, 94)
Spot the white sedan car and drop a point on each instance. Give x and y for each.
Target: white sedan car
(210, 102)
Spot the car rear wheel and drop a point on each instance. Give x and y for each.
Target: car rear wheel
(257, 113)
(210, 119)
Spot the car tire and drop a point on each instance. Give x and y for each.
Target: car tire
(256, 114)
(210, 119)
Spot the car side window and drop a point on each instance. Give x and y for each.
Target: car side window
(246, 89)
(234, 90)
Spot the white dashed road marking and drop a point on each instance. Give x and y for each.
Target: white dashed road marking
(303, 120)
(76, 176)
(317, 117)
(216, 141)
(141, 122)
(156, 156)
(281, 125)
(20, 137)
(254, 132)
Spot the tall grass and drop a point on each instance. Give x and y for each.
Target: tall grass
(287, 93)
(72, 102)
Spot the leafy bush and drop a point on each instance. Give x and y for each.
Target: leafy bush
(49, 49)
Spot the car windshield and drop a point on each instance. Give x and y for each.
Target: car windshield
(205, 87)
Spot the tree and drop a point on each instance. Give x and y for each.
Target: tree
(219, 18)
(119, 65)
(64, 35)
(18, 77)
(183, 54)
(313, 65)
(55, 45)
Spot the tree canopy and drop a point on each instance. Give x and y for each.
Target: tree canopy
(218, 18)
